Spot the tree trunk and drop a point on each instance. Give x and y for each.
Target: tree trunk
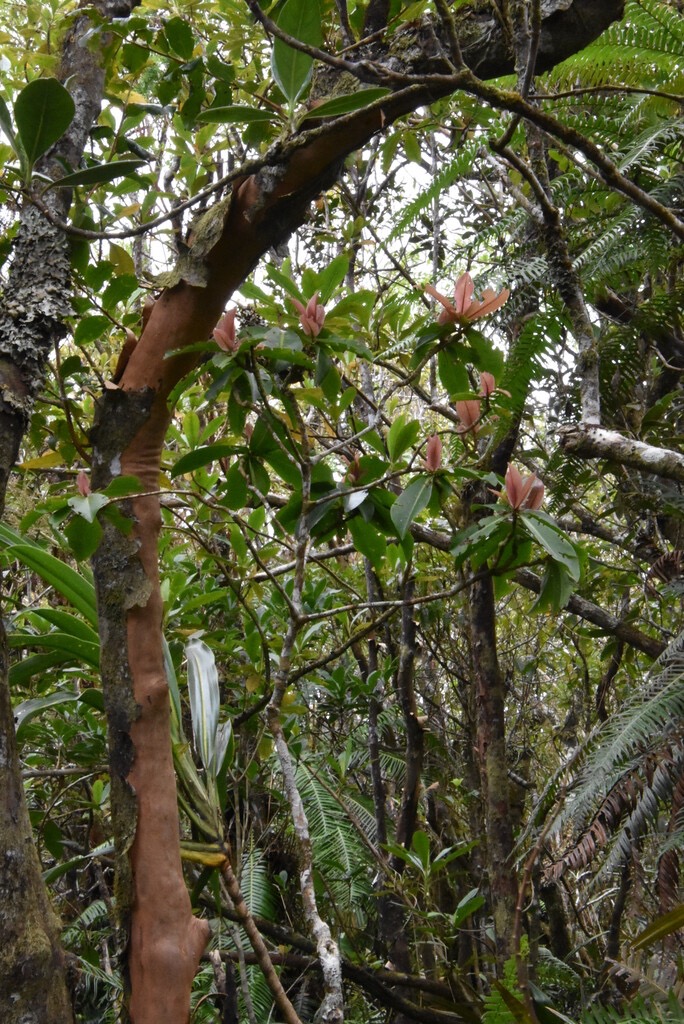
(491, 746)
(32, 984)
(32, 313)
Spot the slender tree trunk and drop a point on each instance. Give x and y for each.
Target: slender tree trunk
(32, 983)
(32, 313)
(491, 745)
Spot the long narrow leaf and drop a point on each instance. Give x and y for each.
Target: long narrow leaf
(203, 688)
(74, 586)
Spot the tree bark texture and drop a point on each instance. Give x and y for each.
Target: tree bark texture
(490, 698)
(33, 309)
(593, 442)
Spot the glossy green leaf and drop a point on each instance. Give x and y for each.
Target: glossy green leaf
(331, 277)
(76, 587)
(28, 709)
(347, 104)
(235, 490)
(22, 672)
(401, 436)
(43, 111)
(235, 114)
(543, 529)
(202, 457)
(67, 623)
(421, 844)
(411, 503)
(83, 536)
(481, 540)
(291, 68)
(180, 37)
(75, 647)
(99, 173)
(452, 370)
(556, 590)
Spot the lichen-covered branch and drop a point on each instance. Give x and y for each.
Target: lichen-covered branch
(593, 442)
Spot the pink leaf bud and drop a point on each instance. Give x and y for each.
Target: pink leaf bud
(83, 483)
(224, 332)
(523, 492)
(433, 455)
(468, 411)
(311, 316)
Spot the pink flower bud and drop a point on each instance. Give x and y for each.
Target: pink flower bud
(487, 384)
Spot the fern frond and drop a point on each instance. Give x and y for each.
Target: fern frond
(643, 49)
(633, 765)
(457, 169)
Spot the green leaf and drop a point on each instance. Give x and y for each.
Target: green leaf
(180, 37)
(74, 586)
(67, 623)
(411, 503)
(28, 709)
(421, 845)
(202, 457)
(333, 275)
(75, 647)
(401, 436)
(481, 540)
(556, 589)
(23, 671)
(43, 111)
(6, 124)
(84, 536)
(87, 506)
(659, 929)
(368, 540)
(543, 529)
(235, 114)
(452, 370)
(347, 104)
(99, 173)
(235, 490)
(292, 69)
(122, 486)
(471, 902)
(103, 850)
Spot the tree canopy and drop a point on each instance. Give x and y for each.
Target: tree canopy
(342, 523)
